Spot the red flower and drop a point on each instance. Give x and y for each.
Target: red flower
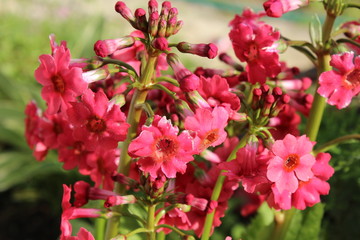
(256, 46)
(97, 121)
(276, 8)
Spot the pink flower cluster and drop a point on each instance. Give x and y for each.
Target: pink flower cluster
(287, 175)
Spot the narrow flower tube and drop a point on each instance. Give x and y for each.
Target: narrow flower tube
(119, 200)
(125, 12)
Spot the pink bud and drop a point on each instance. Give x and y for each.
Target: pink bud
(119, 200)
(203, 50)
(121, 8)
(153, 23)
(107, 47)
(140, 18)
(153, 6)
(161, 44)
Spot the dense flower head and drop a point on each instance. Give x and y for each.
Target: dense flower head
(257, 47)
(61, 83)
(340, 85)
(161, 149)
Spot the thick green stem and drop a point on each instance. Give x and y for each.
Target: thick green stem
(100, 228)
(133, 119)
(150, 226)
(336, 141)
(217, 190)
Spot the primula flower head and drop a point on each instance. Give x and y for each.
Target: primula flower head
(339, 86)
(292, 163)
(161, 149)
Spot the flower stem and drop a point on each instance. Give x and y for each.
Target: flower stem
(151, 222)
(336, 141)
(217, 190)
(133, 119)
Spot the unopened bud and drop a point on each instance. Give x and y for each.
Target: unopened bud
(107, 47)
(153, 23)
(179, 25)
(228, 60)
(162, 27)
(119, 200)
(125, 12)
(203, 50)
(171, 25)
(140, 19)
(160, 43)
(277, 92)
(153, 6)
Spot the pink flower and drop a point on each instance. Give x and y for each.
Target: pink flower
(308, 193)
(341, 85)
(292, 163)
(70, 212)
(248, 17)
(216, 92)
(61, 83)
(276, 8)
(208, 126)
(161, 149)
(256, 46)
(97, 121)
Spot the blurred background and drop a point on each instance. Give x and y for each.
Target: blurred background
(30, 192)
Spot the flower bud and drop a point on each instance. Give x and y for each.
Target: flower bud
(153, 23)
(203, 50)
(125, 12)
(153, 6)
(228, 60)
(107, 47)
(179, 25)
(96, 75)
(140, 19)
(162, 27)
(119, 200)
(187, 80)
(160, 43)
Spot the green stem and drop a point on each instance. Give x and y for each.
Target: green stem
(345, 40)
(336, 141)
(133, 119)
(100, 228)
(217, 190)
(151, 222)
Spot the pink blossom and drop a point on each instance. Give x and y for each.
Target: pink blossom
(276, 8)
(339, 86)
(161, 149)
(256, 47)
(61, 84)
(292, 163)
(216, 92)
(208, 126)
(248, 17)
(97, 121)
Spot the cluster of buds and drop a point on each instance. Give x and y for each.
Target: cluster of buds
(161, 25)
(268, 103)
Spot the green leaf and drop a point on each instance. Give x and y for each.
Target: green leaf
(311, 223)
(262, 225)
(315, 29)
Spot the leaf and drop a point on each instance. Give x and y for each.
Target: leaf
(315, 31)
(262, 225)
(311, 225)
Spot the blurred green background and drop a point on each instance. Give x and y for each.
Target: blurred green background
(30, 192)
